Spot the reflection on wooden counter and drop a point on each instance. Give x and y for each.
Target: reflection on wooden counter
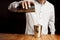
(27, 37)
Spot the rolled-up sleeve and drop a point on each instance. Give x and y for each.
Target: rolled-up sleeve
(14, 4)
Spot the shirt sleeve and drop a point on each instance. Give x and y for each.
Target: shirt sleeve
(14, 4)
(52, 21)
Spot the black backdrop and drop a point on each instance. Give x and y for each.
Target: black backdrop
(11, 22)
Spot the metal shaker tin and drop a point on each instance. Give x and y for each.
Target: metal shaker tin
(37, 30)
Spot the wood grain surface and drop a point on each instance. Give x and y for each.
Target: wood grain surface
(27, 37)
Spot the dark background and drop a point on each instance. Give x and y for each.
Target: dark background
(11, 22)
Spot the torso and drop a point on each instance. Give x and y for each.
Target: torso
(41, 15)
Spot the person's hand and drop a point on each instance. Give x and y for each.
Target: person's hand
(26, 4)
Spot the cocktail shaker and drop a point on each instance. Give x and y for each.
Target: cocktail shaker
(18, 8)
(37, 30)
(21, 9)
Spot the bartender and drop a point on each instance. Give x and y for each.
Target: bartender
(44, 15)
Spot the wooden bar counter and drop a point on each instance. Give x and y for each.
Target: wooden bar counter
(4, 36)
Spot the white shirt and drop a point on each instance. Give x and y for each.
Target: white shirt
(43, 15)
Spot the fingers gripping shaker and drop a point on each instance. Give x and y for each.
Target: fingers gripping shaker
(19, 8)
